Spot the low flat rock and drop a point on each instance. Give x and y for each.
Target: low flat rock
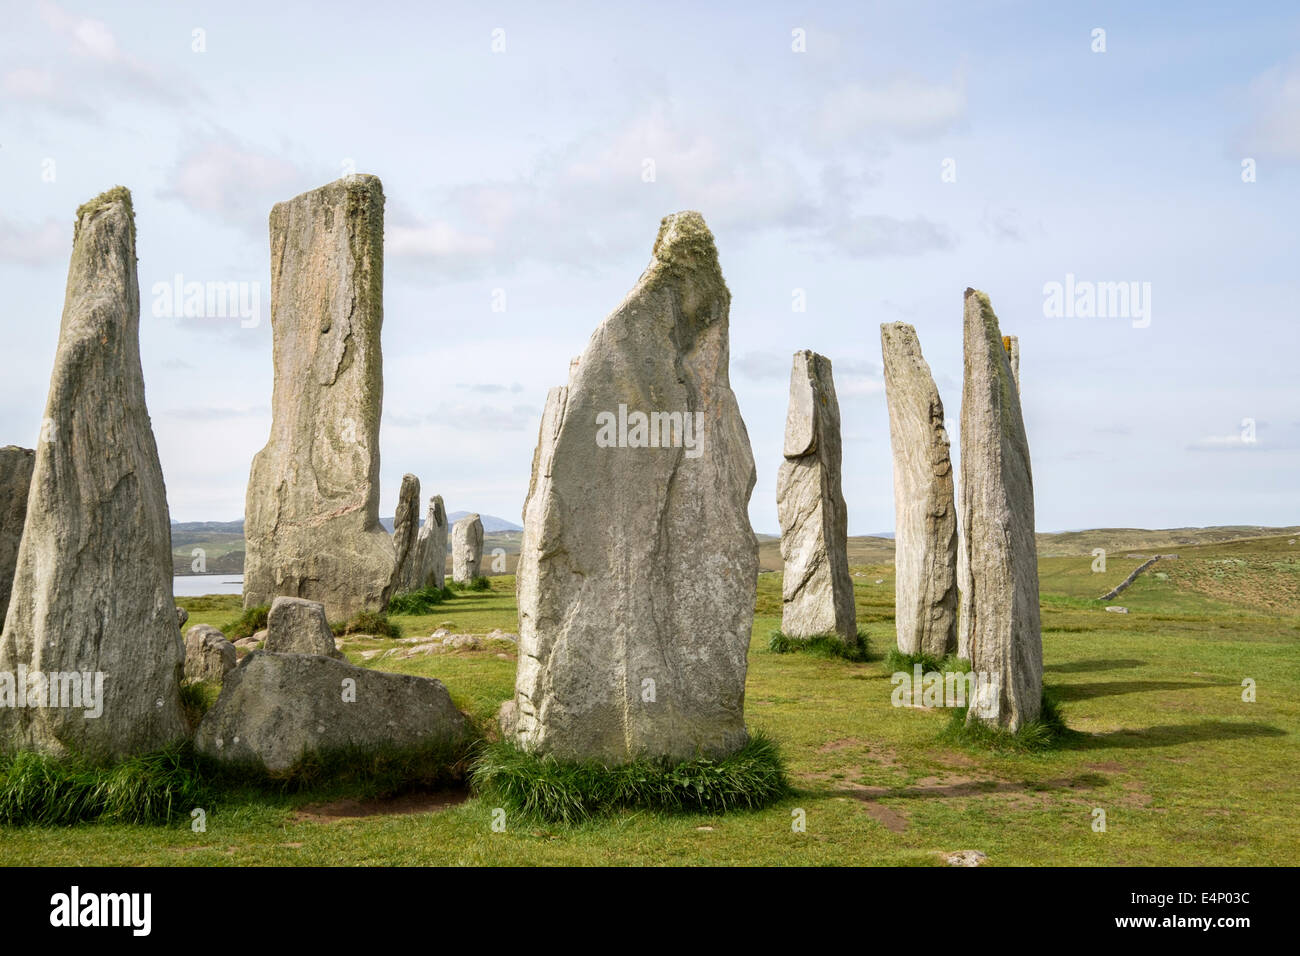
(274, 708)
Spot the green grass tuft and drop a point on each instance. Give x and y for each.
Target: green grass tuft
(247, 624)
(421, 601)
(896, 661)
(157, 788)
(821, 645)
(480, 583)
(369, 622)
(556, 791)
(1048, 732)
(196, 698)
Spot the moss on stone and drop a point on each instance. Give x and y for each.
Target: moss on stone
(115, 195)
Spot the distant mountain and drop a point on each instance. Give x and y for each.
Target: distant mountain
(491, 523)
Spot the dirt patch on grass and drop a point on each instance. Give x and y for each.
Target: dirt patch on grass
(352, 809)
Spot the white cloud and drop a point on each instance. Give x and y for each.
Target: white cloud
(43, 244)
(222, 179)
(1274, 128)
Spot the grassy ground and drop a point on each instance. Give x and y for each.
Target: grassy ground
(1185, 770)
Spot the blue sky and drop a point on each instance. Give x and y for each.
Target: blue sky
(521, 170)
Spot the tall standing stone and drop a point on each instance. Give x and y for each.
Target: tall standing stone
(1001, 604)
(925, 516)
(466, 549)
(817, 591)
(433, 545)
(406, 534)
(638, 567)
(92, 593)
(312, 516)
(15, 480)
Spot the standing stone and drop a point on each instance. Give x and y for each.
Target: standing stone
(925, 517)
(15, 479)
(208, 655)
(92, 592)
(312, 514)
(638, 568)
(466, 549)
(433, 545)
(817, 591)
(406, 532)
(296, 626)
(997, 490)
(1012, 344)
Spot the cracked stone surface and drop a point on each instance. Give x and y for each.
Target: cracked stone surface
(312, 515)
(817, 591)
(638, 567)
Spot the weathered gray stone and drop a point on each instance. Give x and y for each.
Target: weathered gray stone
(182, 616)
(466, 549)
(208, 655)
(406, 533)
(817, 591)
(312, 516)
(433, 545)
(997, 490)
(274, 708)
(638, 568)
(15, 479)
(1012, 344)
(298, 626)
(92, 590)
(925, 515)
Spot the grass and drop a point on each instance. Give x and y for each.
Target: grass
(45, 791)
(420, 601)
(1046, 732)
(1188, 772)
(821, 645)
(480, 583)
(369, 622)
(246, 625)
(544, 789)
(896, 661)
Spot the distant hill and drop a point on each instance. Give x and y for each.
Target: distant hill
(223, 542)
(491, 523)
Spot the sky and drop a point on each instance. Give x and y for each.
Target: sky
(858, 163)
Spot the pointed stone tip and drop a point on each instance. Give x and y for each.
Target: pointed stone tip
(684, 235)
(117, 195)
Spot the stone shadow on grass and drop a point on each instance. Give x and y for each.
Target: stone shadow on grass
(1071, 692)
(1171, 735)
(1087, 667)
